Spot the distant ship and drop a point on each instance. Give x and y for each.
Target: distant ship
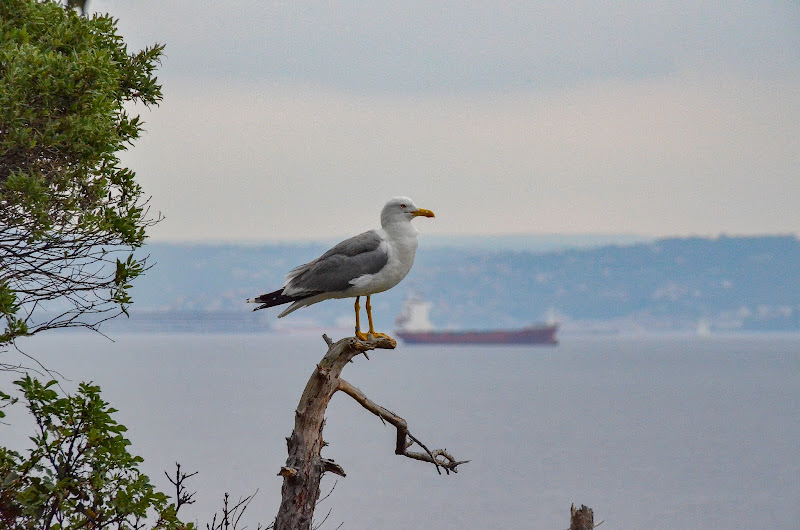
(414, 327)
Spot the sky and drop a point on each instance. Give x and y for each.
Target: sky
(298, 120)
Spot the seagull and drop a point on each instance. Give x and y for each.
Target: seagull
(369, 263)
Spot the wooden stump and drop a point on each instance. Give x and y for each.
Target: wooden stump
(581, 518)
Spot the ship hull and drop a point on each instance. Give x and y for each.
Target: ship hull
(544, 334)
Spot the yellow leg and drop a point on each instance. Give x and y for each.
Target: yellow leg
(371, 327)
(359, 334)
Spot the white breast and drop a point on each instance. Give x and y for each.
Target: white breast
(401, 246)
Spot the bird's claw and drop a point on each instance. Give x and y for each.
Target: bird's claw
(360, 335)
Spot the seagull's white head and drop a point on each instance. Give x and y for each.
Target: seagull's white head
(401, 209)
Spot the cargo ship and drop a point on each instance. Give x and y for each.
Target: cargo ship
(414, 327)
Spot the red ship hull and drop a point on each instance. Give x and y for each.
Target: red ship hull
(542, 334)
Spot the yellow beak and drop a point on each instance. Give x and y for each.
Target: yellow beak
(424, 213)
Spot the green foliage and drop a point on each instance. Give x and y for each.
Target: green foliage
(125, 271)
(64, 81)
(67, 211)
(15, 327)
(66, 87)
(79, 473)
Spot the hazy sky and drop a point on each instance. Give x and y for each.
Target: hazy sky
(298, 120)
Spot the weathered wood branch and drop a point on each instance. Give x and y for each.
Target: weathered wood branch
(305, 466)
(582, 518)
(438, 457)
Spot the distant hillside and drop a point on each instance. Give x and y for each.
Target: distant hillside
(728, 283)
(528, 242)
(733, 283)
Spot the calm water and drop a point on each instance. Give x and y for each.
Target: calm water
(664, 432)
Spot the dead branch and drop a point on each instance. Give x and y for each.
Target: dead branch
(232, 514)
(305, 466)
(182, 494)
(438, 457)
(582, 518)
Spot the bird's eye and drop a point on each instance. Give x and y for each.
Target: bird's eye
(402, 206)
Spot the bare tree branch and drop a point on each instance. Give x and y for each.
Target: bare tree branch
(582, 518)
(232, 514)
(439, 457)
(182, 494)
(305, 466)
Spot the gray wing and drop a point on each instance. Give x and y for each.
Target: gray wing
(333, 271)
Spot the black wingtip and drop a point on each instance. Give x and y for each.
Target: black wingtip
(272, 299)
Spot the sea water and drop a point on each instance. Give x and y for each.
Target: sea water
(650, 432)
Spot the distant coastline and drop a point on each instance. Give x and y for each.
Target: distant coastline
(716, 285)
